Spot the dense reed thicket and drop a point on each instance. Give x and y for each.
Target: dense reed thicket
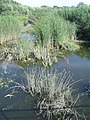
(80, 15)
(10, 28)
(55, 31)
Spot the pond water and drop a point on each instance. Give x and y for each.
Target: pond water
(78, 63)
(27, 35)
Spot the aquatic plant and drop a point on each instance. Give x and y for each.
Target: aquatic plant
(5, 83)
(25, 50)
(53, 93)
(45, 55)
(10, 28)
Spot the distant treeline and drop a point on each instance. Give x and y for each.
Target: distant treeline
(80, 15)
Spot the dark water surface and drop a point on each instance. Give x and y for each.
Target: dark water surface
(78, 63)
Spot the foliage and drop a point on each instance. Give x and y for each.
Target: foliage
(10, 7)
(54, 30)
(10, 28)
(80, 15)
(23, 50)
(39, 12)
(27, 51)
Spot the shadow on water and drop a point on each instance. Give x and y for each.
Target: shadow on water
(78, 63)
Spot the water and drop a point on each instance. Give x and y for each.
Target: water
(78, 63)
(28, 35)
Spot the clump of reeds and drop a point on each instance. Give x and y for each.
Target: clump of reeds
(53, 92)
(25, 50)
(10, 28)
(45, 55)
(55, 30)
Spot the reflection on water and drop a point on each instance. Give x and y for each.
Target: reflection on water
(4, 65)
(28, 36)
(78, 63)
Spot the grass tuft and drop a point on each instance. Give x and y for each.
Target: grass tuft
(53, 92)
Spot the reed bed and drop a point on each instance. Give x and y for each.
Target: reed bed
(25, 51)
(10, 28)
(54, 30)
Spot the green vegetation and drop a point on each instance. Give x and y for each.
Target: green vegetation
(25, 51)
(5, 83)
(80, 15)
(55, 31)
(10, 28)
(10, 7)
(53, 92)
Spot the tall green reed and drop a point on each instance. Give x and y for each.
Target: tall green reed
(54, 30)
(10, 28)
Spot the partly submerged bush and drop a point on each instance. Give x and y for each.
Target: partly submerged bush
(55, 30)
(10, 28)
